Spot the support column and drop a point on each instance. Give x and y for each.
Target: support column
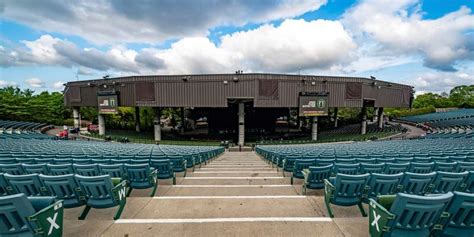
(314, 129)
(181, 130)
(363, 126)
(335, 117)
(156, 124)
(137, 119)
(380, 118)
(101, 124)
(241, 115)
(75, 115)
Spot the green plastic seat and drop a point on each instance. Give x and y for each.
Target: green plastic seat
(345, 190)
(314, 177)
(405, 215)
(460, 221)
(103, 192)
(30, 216)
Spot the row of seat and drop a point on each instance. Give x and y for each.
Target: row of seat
(166, 169)
(76, 190)
(453, 114)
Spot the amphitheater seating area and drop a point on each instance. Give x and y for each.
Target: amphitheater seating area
(22, 130)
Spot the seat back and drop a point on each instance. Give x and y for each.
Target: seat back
(395, 168)
(289, 163)
(301, 164)
(35, 168)
(383, 184)
(445, 166)
(115, 170)
(86, 170)
(3, 185)
(14, 210)
(469, 183)
(447, 182)
(318, 174)
(349, 188)
(461, 220)
(417, 184)
(164, 167)
(139, 175)
(324, 162)
(59, 161)
(97, 190)
(29, 184)
(15, 169)
(350, 169)
(464, 166)
(371, 168)
(421, 168)
(415, 215)
(64, 187)
(60, 169)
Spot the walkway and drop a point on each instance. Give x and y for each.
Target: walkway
(237, 194)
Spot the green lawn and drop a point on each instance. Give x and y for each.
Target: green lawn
(147, 138)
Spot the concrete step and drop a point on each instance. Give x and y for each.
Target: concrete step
(296, 206)
(234, 174)
(229, 190)
(234, 180)
(220, 228)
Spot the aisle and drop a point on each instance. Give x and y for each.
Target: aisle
(237, 194)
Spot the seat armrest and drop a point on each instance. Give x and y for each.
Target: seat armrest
(39, 203)
(120, 191)
(49, 220)
(306, 173)
(379, 218)
(328, 189)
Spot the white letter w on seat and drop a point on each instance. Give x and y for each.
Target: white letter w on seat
(376, 221)
(121, 193)
(54, 225)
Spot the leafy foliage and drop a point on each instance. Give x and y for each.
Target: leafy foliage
(24, 105)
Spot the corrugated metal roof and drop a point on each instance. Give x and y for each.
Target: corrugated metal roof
(214, 90)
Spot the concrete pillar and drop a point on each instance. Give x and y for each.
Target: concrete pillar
(314, 129)
(137, 119)
(75, 115)
(380, 118)
(363, 126)
(156, 124)
(181, 130)
(241, 115)
(335, 117)
(101, 124)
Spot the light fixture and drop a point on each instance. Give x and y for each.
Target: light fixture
(226, 82)
(185, 79)
(313, 83)
(372, 77)
(235, 79)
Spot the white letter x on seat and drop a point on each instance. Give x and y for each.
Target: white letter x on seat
(54, 225)
(376, 221)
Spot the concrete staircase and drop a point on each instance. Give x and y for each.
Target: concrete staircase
(236, 194)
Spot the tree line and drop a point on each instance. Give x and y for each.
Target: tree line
(45, 107)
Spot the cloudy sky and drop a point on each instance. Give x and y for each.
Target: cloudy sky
(425, 43)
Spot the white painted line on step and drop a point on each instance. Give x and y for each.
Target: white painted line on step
(231, 197)
(237, 165)
(234, 178)
(220, 220)
(234, 172)
(232, 186)
(220, 168)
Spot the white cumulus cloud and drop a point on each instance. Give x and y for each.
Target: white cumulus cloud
(398, 26)
(35, 82)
